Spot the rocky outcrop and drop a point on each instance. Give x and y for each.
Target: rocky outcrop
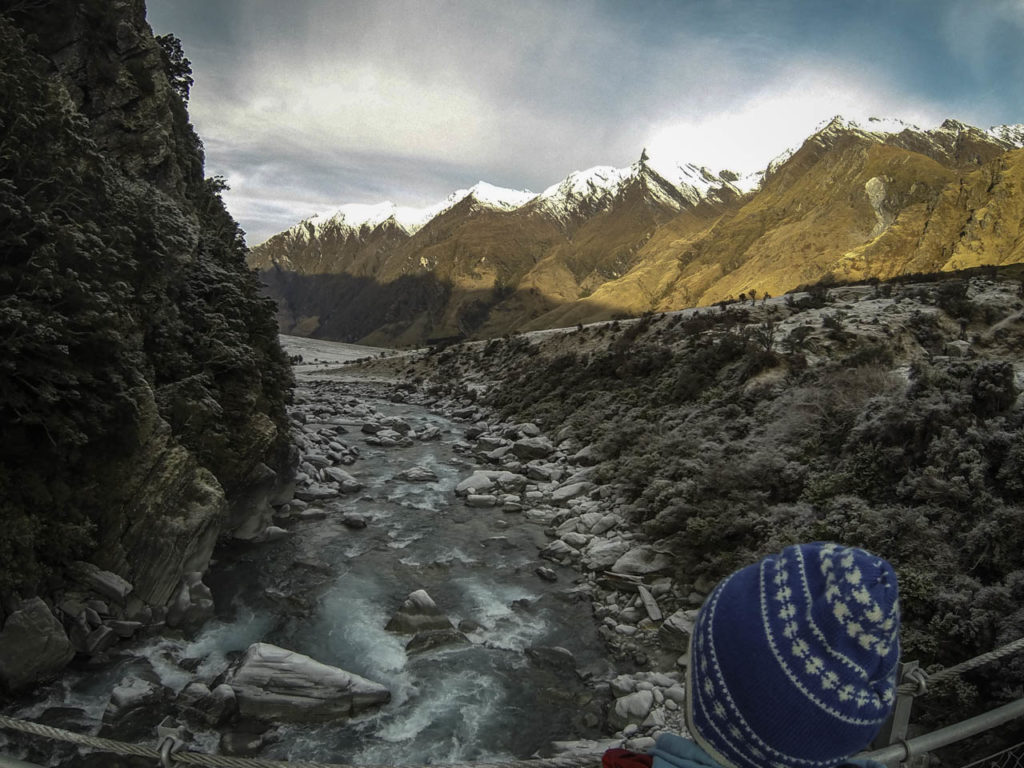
(177, 509)
(113, 70)
(175, 453)
(33, 646)
(271, 683)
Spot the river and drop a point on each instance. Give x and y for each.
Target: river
(327, 590)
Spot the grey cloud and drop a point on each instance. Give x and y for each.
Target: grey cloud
(309, 104)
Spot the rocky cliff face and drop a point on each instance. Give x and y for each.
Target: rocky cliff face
(855, 201)
(112, 68)
(143, 387)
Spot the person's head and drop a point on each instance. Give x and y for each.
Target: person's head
(793, 660)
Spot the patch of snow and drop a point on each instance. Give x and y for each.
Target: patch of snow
(595, 188)
(355, 216)
(597, 185)
(1011, 134)
(358, 215)
(414, 219)
(886, 125)
(876, 126)
(351, 218)
(593, 181)
(748, 182)
(499, 197)
(684, 174)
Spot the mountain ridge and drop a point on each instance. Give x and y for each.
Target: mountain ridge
(411, 218)
(662, 234)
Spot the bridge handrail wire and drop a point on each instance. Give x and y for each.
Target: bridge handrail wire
(913, 688)
(224, 761)
(1016, 749)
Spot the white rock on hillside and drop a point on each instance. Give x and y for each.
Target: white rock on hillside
(569, 491)
(642, 560)
(631, 708)
(533, 448)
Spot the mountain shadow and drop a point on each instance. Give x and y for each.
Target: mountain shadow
(416, 309)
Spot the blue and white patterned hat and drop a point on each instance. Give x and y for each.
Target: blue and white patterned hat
(793, 660)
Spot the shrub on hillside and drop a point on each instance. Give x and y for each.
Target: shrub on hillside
(925, 471)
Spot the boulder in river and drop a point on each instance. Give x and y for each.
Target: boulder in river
(546, 573)
(353, 520)
(389, 438)
(275, 684)
(478, 482)
(345, 481)
(213, 708)
(315, 493)
(435, 638)
(418, 613)
(397, 423)
(553, 657)
(417, 474)
(33, 645)
(429, 432)
(136, 705)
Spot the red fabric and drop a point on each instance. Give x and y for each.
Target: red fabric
(623, 758)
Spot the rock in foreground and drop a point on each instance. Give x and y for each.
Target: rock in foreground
(32, 646)
(272, 683)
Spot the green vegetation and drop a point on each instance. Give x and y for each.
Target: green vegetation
(178, 67)
(113, 296)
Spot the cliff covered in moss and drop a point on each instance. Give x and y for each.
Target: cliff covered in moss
(142, 386)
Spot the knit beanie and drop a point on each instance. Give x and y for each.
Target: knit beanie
(793, 660)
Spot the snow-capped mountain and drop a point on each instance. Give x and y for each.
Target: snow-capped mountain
(355, 217)
(582, 191)
(859, 198)
(668, 182)
(952, 139)
(671, 183)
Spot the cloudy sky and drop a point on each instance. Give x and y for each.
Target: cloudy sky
(305, 105)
